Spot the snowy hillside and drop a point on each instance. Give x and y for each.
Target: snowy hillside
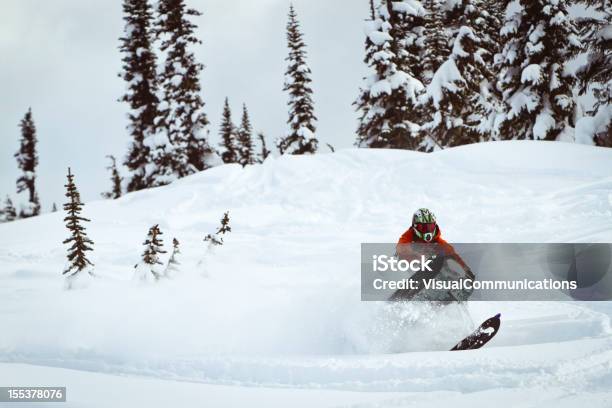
(278, 306)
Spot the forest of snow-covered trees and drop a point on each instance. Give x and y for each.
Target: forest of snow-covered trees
(441, 73)
(168, 125)
(451, 72)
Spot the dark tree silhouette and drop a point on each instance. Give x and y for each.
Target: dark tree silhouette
(229, 142)
(388, 97)
(139, 72)
(182, 108)
(245, 139)
(27, 160)
(216, 238)
(116, 180)
(78, 240)
(150, 257)
(539, 37)
(264, 152)
(300, 139)
(8, 212)
(596, 73)
(224, 228)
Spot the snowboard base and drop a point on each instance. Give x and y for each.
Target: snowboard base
(481, 336)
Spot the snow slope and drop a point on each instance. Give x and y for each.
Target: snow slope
(277, 307)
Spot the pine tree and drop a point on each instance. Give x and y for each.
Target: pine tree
(116, 180)
(245, 139)
(459, 104)
(182, 109)
(229, 142)
(491, 30)
(149, 266)
(213, 240)
(27, 160)
(496, 10)
(224, 228)
(173, 263)
(54, 208)
(165, 157)
(139, 72)
(539, 37)
(485, 18)
(78, 240)
(596, 73)
(300, 139)
(364, 100)
(387, 102)
(264, 152)
(436, 39)
(372, 15)
(9, 213)
(217, 238)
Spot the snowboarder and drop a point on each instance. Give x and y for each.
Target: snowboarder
(424, 237)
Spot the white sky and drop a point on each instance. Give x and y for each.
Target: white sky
(61, 58)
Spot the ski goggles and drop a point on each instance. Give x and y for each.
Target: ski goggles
(425, 231)
(425, 228)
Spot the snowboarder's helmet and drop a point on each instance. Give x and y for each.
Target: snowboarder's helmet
(424, 224)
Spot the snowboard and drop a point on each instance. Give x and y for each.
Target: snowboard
(485, 332)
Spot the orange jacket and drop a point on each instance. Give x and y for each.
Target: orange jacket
(409, 237)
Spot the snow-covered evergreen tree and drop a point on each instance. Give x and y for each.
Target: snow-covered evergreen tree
(225, 227)
(213, 240)
(27, 160)
(9, 213)
(263, 152)
(539, 37)
(459, 105)
(173, 263)
(387, 101)
(164, 159)
(229, 139)
(437, 37)
(217, 238)
(116, 180)
(300, 138)
(54, 208)
(79, 242)
(372, 16)
(496, 10)
(182, 108)
(149, 268)
(595, 74)
(245, 139)
(139, 72)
